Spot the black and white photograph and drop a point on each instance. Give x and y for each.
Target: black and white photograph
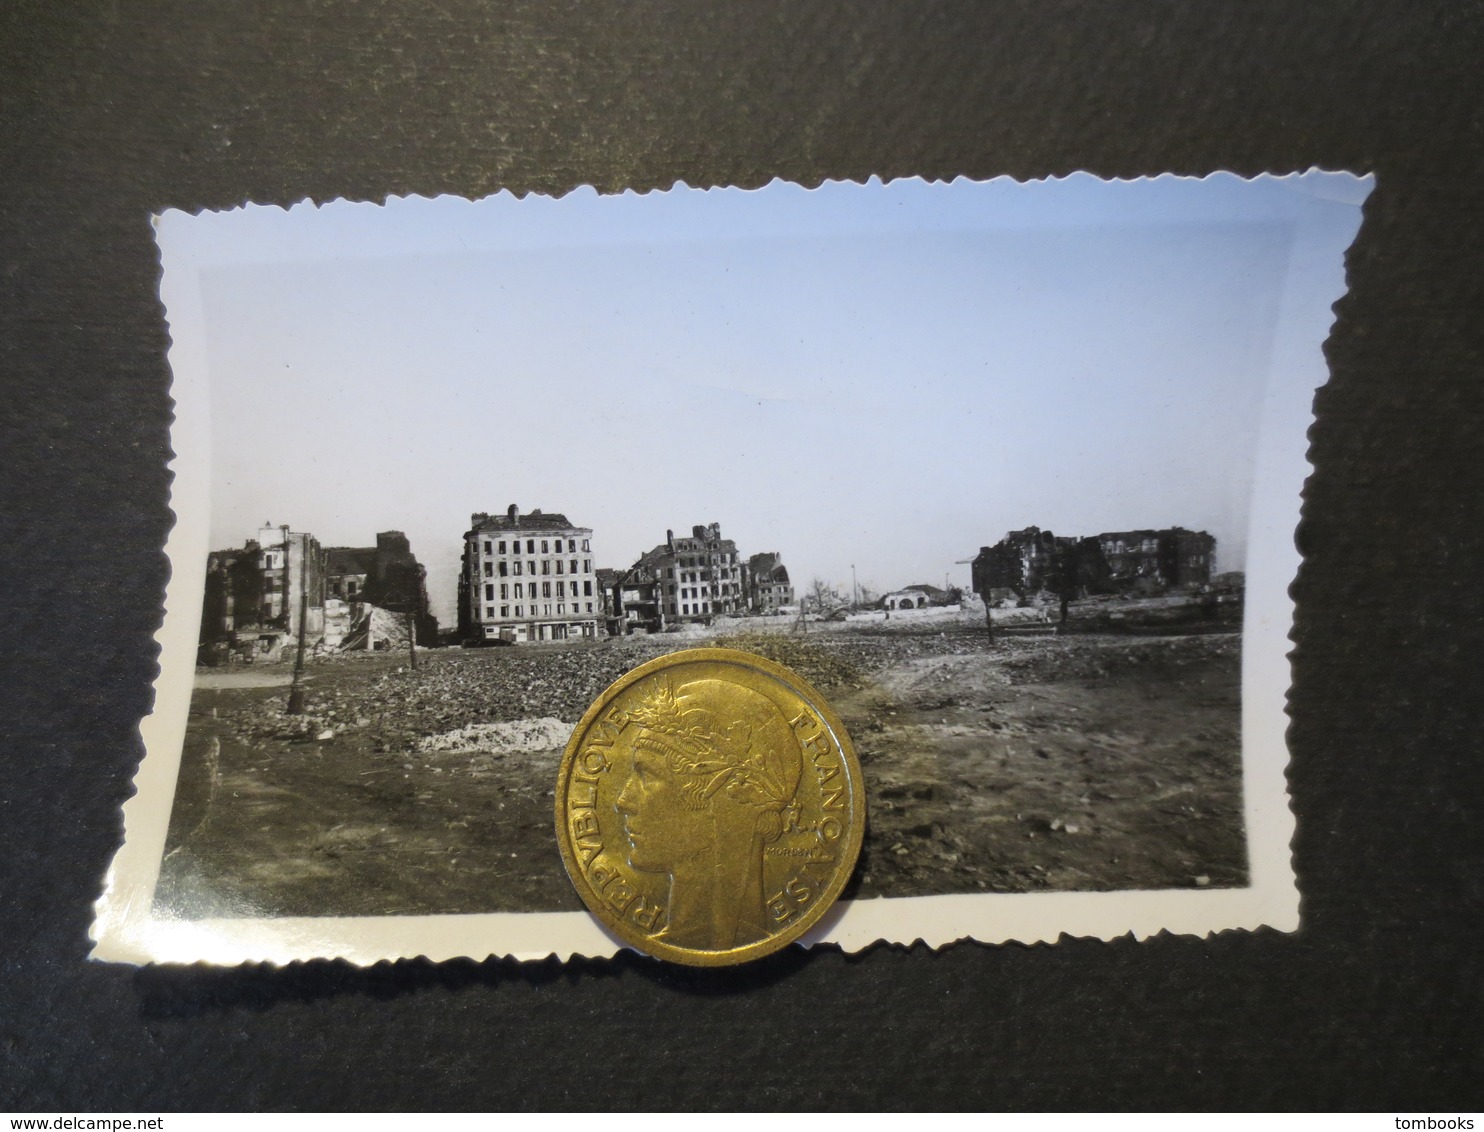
(1008, 471)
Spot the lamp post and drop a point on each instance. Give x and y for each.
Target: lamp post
(412, 634)
(296, 689)
(407, 597)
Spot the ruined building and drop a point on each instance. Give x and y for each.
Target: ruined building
(637, 600)
(695, 579)
(1032, 561)
(605, 581)
(1173, 557)
(527, 578)
(768, 585)
(701, 576)
(1024, 562)
(386, 576)
(257, 597)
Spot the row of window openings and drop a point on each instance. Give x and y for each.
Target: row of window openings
(561, 610)
(517, 567)
(696, 577)
(530, 590)
(1194, 559)
(531, 546)
(695, 591)
(692, 608)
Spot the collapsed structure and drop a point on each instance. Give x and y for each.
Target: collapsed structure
(383, 594)
(258, 597)
(262, 598)
(635, 599)
(768, 585)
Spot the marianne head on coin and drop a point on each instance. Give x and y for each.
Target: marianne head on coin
(715, 768)
(709, 807)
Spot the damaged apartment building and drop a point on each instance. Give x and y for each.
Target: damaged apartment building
(696, 578)
(346, 598)
(693, 580)
(258, 598)
(1032, 561)
(527, 578)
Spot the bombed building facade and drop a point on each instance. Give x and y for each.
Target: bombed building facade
(701, 576)
(637, 600)
(347, 597)
(258, 598)
(1020, 562)
(1031, 561)
(527, 578)
(1172, 557)
(695, 579)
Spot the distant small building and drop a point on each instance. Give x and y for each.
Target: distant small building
(256, 598)
(904, 599)
(528, 578)
(346, 570)
(767, 583)
(918, 597)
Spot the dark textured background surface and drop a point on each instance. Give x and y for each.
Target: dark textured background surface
(112, 110)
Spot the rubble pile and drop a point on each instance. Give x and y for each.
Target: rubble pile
(500, 738)
(448, 691)
(377, 629)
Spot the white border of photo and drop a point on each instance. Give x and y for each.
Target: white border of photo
(127, 929)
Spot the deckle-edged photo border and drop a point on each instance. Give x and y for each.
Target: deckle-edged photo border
(128, 927)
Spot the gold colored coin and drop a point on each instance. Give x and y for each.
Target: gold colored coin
(709, 807)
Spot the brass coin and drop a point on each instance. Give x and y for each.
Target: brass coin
(709, 807)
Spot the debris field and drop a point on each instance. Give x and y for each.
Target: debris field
(1034, 763)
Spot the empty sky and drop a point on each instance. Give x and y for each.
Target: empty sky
(888, 376)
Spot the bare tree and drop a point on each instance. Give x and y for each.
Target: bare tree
(1074, 567)
(819, 599)
(822, 597)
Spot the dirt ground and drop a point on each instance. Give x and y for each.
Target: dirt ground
(1087, 761)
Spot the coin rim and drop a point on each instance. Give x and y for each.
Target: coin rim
(855, 834)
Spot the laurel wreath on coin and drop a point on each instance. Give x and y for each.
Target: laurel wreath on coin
(711, 754)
